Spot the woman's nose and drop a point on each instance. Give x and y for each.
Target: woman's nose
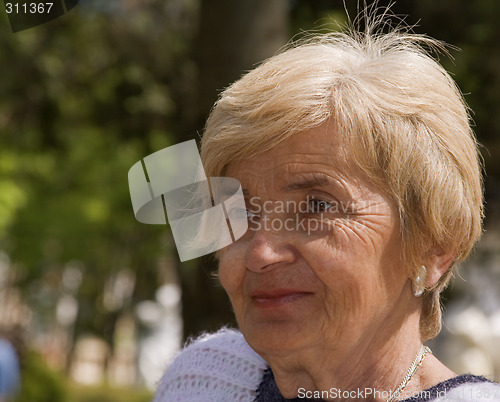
(268, 249)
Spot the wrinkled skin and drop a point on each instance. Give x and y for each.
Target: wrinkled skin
(322, 294)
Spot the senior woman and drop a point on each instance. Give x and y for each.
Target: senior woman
(363, 190)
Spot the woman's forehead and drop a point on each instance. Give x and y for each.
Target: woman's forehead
(318, 150)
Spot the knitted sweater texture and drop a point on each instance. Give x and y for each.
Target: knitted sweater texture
(221, 367)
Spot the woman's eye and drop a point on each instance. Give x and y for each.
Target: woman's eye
(316, 206)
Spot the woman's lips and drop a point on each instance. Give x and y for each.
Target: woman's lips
(277, 297)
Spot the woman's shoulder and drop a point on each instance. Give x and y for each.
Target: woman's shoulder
(463, 388)
(471, 388)
(214, 367)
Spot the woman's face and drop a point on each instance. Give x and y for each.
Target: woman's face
(320, 265)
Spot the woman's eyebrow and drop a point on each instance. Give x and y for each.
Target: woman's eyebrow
(321, 182)
(308, 183)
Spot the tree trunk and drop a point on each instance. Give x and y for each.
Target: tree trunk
(233, 37)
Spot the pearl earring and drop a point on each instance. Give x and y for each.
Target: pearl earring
(418, 284)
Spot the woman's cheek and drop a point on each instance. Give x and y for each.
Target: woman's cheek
(231, 268)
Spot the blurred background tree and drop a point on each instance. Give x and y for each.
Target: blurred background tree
(84, 97)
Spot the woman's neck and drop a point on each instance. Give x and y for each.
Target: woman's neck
(369, 371)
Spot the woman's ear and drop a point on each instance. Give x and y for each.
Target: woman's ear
(437, 263)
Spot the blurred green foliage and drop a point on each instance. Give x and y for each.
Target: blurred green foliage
(84, 97)
(107, 394)
(39, 383)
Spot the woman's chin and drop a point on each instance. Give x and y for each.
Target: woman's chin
(275, 339)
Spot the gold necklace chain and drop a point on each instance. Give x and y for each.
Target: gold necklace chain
(419, 358)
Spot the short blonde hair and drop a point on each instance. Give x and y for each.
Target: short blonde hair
(402, 116)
